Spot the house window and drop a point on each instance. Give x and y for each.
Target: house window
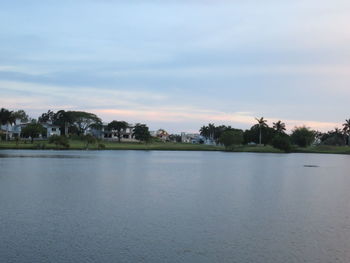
(53, 129)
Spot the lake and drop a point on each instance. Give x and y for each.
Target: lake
(162, 206)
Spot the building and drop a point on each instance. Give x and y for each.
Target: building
(12, 130)
(112, 135)
(15, 130)
(51, 129)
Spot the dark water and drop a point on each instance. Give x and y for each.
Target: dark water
(139, 206)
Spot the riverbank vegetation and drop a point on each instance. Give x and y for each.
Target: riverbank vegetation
(84, 130)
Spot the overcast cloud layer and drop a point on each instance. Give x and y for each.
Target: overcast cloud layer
(179, 64)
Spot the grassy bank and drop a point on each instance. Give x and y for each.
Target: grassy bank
(81, 145)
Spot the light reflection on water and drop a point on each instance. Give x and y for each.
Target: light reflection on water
(138, 206)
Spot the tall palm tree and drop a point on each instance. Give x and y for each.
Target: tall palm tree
(7, 118)
(261, 123)
(211, 128)
(346, 129)
(204, 131)
(279, 126)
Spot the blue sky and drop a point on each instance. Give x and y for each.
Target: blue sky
(179, 64)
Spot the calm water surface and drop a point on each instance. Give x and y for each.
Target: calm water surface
(140, 206)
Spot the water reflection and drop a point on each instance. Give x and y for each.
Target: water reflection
(138, 206)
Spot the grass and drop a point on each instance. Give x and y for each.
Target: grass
(325, 149)
(81, 145)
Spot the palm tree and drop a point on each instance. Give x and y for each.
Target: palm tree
(7, 118)
(346, 129)
(261, 123)
(279, 126)
(204, 131)
(212, 129)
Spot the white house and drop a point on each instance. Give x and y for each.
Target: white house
(51, 129)
(112, 135)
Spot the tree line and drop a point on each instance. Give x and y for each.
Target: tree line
(70, 123)
(262, 134)
(79, 122)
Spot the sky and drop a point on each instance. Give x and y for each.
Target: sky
(179, 64)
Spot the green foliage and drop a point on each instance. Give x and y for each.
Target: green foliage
(64, 119)
(230, 138)
(282, 142)
(174, 138)
(118, 127)
(253, 134)
(335, 141)
(346, 130)
(279, 127)
(83, 120)
(101, 146)
(6, 117)
(21, 115)
(141, 132)
(303, 136)
(59, 141)
(40, 145)
(33, 130)
(335, 137)
(89, 139)
(48, 116)
(213, 132)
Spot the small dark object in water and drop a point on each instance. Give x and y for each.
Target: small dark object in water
(309, 165)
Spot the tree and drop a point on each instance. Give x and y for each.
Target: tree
(7, 118)
(279, 126)
(213, 132)
(33, 130)
(175, 138)
(84, 120)
(230, 138)
(303, 136)
(64, 119)
(282, 142)
(346, 130)
(48, 116)
(261, 123)
(204, 131)
(119, 127)
(21, 115)
(141, 132)
(335, 137)
(253, 134)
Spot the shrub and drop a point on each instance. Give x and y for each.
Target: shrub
(101, 146)
(89, 139)
(40, 145)
(282, 142)
(303, 136)
(59, 141)
(231, 137)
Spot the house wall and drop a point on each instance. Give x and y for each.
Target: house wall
(53, 131)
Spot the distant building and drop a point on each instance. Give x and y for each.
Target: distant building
(12, 130)
(15, 130)
(112, 135)
(163, 135)
(196, 138)
(51, 129)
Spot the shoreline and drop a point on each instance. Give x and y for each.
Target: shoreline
(79, 145)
